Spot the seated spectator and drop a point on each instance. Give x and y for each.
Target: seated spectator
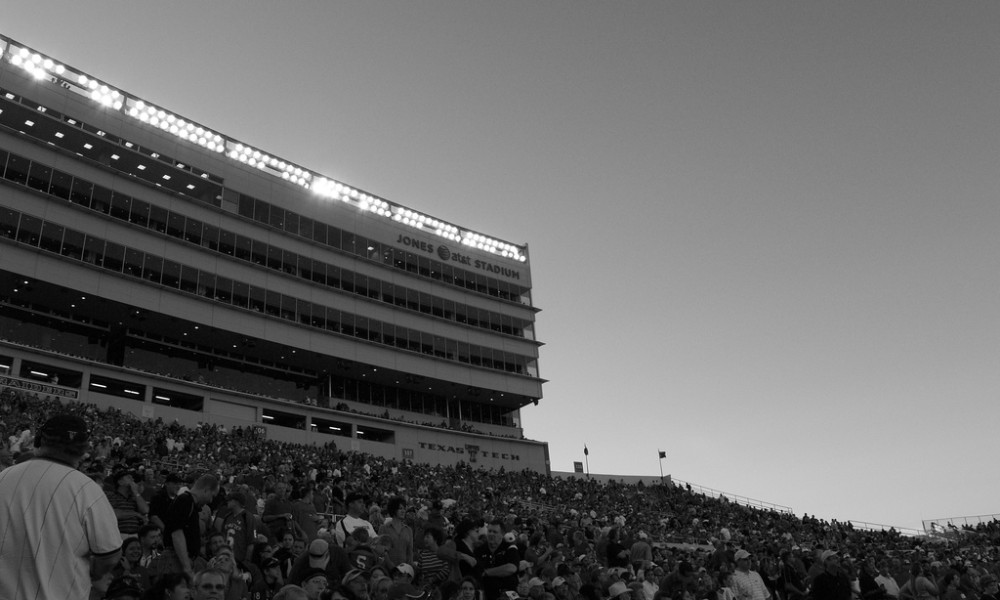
(172, 586)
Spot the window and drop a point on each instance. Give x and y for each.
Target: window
(30, 230)
(52, 235)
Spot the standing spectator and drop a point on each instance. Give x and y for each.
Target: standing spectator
(748, 584)
(304, 514)
(239, 527)
(182, 534)
(398, 531)
(161, 500)
(434, 570)
(278, 512)
(53, 548)
(641, 553)
(497, 562)
(616, 554)
(357, 503)
(466, 536)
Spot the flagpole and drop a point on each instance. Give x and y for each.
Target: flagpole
(586, 458)
(659, 453)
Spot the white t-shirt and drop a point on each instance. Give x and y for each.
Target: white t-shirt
(53, 518)
(347, 525)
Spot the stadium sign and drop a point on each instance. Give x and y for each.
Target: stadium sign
(473, 452)
(447, 255)
(29, 385)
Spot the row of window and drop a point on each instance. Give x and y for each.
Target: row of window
(128, 158)
(294, 224)
(111, 256)
(41, 177)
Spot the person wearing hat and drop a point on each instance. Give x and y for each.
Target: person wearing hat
(747, 583)
(314, 582)
(357, 505)
(354, 581)
(123, 588)
(619, 591)
(238, 525)
(402, 582)
(320, 555)
(832, 583)
(129, 505)
(271, 581)
(74, 528)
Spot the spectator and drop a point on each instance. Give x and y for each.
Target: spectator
(270, 581)
(150, 543)
(321, 555)
(236, 583)
(129, 505)
(182, 534)
(886, 581)
(171, 586)
(434, 570)
(497, 562)
(239, 526)
(161, 500)
(210, 584)
(314, 582)
(278, 512)
(748, 584)
(832, 583)
(357, 503)
(398, 532)
(53, 548)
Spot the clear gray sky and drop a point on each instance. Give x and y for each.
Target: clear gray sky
(764, 235)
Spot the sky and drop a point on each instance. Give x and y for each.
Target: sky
(763, 235)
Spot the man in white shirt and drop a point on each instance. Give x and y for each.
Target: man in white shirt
(747, 584)
(357, 505)
(57, 527)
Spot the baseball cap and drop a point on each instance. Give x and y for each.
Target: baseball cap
(271, 562)
(405, 569)
(558, 581)
(65, 429)
(351, 576)
(741, 554)
(123, 587)
(617, 589)
(311, 573)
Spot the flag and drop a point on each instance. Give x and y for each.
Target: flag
(585, 451)
(663, 454)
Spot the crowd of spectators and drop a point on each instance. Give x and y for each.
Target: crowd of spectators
(261, 519)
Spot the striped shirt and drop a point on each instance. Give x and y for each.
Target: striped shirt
(749, 586)
(53, 518)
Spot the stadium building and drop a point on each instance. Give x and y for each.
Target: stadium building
(151, 263)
